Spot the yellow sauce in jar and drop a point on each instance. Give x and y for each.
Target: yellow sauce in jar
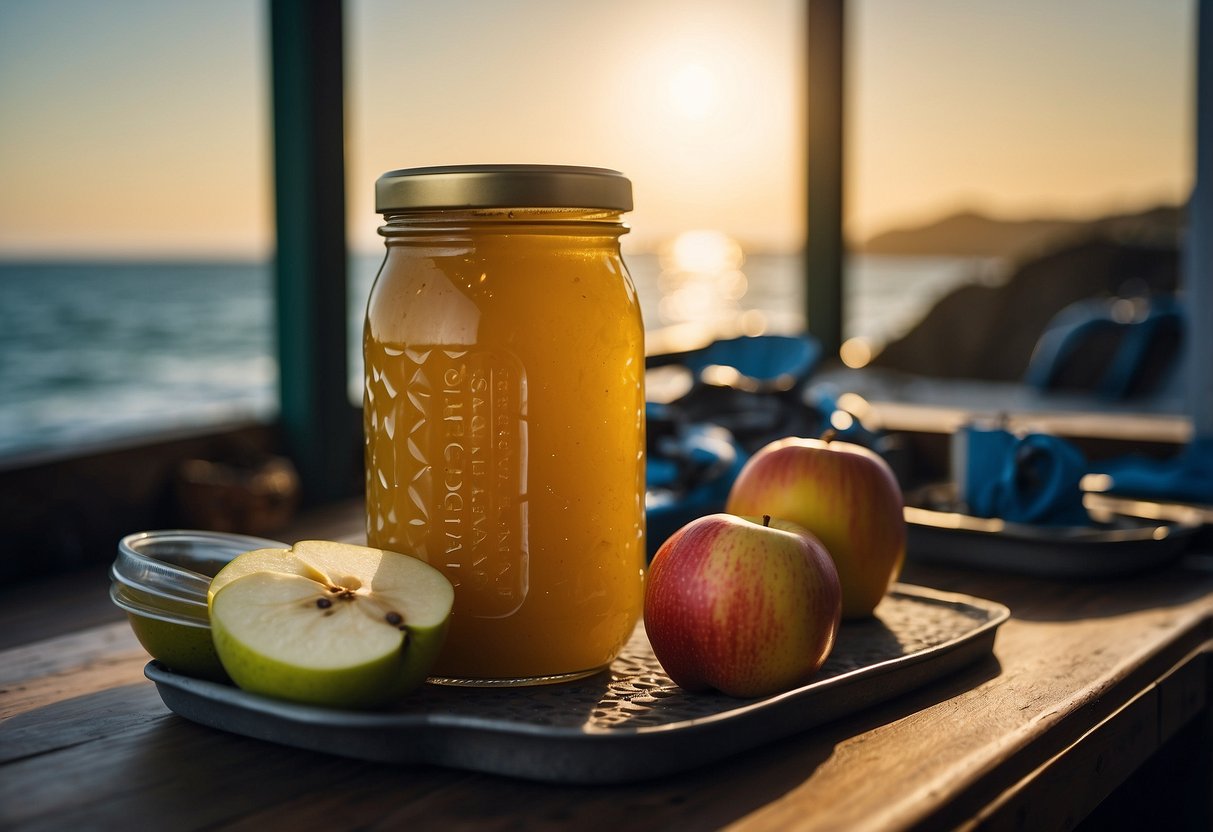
(504, 414)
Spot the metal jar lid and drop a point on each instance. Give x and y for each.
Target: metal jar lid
(502, 186)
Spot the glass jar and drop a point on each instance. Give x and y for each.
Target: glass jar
(504, 412)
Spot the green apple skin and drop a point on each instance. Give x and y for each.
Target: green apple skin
(399, 667)
(734, 605)
(844, 494)
(184, 648)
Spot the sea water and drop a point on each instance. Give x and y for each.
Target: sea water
(95, 352)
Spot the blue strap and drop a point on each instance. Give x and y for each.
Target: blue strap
(1036, 480)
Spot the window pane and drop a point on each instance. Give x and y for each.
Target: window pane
(984, 133)
(699, 103)
(134, 221)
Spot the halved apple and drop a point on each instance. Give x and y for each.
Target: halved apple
(329, 623)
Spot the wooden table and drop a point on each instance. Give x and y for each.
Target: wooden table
(1095, 689)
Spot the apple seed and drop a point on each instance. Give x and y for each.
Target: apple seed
(323, 603)
(394, 618)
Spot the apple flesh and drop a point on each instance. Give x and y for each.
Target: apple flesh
(743, 607)
(844, 494)
(329, 623)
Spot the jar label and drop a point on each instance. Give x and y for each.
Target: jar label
(447, 450)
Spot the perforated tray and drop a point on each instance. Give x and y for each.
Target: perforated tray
(628, 723)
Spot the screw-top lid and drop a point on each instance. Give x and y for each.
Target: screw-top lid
(502, 186)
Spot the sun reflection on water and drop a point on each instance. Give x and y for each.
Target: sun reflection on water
(702, 287)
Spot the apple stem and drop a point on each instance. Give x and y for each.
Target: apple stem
(766, 520)
(829, 435)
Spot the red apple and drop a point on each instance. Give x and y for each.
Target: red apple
(846, 495)
(747, 608)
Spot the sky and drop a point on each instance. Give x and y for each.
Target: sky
(141, 127)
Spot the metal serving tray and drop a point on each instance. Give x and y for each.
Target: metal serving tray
(627, 723)
(1113, 545)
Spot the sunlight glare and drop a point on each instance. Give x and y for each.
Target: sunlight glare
(693, 91)
(706, 252)
(752, 322)
(856, 405)
(701, 281)
(855, 352)
(841, 420)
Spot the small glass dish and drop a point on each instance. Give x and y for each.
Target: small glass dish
(179, 564)
(160, 579)
(182, 640)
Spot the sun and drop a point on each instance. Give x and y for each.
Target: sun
(693, 91)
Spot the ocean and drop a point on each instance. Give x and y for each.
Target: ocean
(96, 352)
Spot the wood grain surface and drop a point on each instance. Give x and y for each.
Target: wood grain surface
(1088, 682)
